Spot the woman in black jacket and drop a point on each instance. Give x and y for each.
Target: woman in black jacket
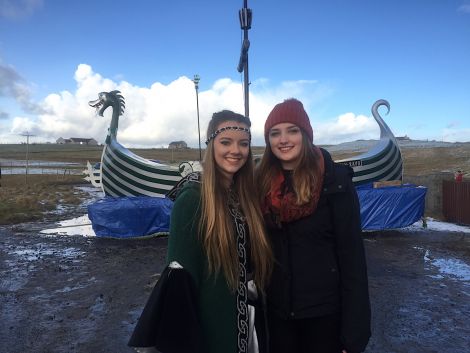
(318, 299)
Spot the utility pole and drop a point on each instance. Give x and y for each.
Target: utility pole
(27, 134)
(196, 86)
(245, 15)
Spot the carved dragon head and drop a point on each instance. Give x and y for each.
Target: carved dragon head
(106, 99)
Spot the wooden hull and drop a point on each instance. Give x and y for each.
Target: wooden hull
(384, 164)
(123, 173)
(384, 161)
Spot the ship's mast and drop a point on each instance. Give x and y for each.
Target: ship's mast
(245, 15)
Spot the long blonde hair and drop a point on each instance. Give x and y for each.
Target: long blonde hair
(305, 175)
(217, 229)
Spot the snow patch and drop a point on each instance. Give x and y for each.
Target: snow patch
(439, 226)
(452, 267)
(75, 226)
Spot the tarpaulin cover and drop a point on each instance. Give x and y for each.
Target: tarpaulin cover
(125, 217)
(390, 207)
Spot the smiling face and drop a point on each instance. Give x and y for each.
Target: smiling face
(231, 150)
(285, 140)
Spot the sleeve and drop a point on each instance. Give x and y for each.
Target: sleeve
(355, 306)
(183, 242)
(169, 320)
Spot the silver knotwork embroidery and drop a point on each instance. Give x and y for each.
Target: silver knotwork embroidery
(242, 291)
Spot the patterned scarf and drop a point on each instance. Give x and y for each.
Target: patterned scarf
(280, 201)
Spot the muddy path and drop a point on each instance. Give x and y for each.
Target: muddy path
(420, 291)
(73, 294)
(63, 294)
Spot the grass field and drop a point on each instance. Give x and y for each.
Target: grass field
(82, 154)
(35, 197)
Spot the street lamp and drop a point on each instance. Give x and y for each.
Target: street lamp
(196, 80)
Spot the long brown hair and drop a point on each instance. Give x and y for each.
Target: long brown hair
(217, 229)
(305, 176)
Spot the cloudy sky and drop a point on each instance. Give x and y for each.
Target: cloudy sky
(337, 56)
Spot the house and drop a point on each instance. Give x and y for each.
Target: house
(77, 141)
(178, 145)
(62, 141)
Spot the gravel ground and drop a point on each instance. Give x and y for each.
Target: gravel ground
(63, 294)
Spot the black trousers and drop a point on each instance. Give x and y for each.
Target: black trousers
(311, 335)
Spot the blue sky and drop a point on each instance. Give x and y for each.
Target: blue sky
(337, 56)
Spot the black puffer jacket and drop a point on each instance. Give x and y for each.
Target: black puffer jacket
(320, 266)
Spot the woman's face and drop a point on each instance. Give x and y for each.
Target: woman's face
(231, 149)
(285, 140)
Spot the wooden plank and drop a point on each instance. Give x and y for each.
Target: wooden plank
(381, 184)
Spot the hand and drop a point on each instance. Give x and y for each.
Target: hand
(344, 351)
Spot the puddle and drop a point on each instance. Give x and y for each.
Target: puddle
(35, 254)
(75, 226)
(78, 225)
(31, 254)
(12, 166)
(91, 190)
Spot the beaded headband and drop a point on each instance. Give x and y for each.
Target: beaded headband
(236, 128)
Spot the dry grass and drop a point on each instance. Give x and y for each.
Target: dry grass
(33, 198)
(82, 154)
(421, 161)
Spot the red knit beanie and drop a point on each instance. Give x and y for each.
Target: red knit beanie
(289, 111)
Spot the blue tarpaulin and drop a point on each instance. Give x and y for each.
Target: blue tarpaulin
(390, 207)
(125, 217)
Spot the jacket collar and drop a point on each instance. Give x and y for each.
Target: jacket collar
(329, 177)
(332, 182)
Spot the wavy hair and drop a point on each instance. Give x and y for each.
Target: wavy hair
(216, 226)
(305, 175)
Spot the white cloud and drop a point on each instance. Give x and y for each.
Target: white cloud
(156, 115)
(346, 127)
(464, 8)
(455, 135)
(16, 9)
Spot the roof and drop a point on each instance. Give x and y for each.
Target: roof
(80, 139)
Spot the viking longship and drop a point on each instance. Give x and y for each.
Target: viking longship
(124, 173)
(384, 161)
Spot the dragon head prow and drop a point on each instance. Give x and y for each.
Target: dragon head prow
(106, 99)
